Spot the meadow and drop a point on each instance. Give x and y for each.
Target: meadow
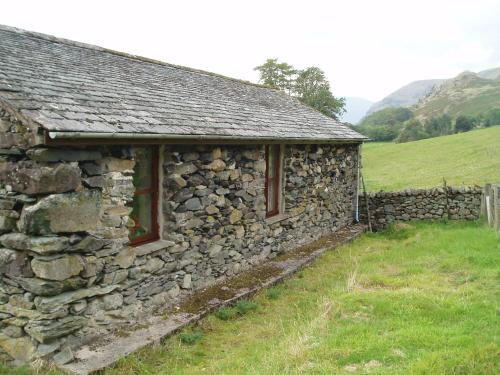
(466, 158)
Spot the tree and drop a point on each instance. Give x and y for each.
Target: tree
(277, 75)
(464, 124)
(384, 125)
(413, 130)
(492, 117)
(313, 89)
(310, 86)
(437, 126)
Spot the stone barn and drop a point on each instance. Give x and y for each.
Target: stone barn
(127, 183)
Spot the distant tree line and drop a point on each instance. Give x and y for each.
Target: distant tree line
(309, 85)
(400, 124)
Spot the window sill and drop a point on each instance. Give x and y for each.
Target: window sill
(152, 247)
(276, 218)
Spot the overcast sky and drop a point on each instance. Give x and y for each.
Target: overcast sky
(367, 48)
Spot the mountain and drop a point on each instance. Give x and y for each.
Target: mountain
(355, 109)
(467, 94)
(490, 73)
(407, 95)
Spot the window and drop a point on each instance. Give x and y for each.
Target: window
(145, 203)
(272, 188)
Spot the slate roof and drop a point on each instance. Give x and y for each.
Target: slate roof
(67, 86)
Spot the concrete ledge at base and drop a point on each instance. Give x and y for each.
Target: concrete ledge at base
(117, 347)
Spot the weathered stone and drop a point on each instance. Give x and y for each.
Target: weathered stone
(91, 266)
(252, 154)
(193, 223)
(13, 331)
(91, 169)
(88, 244)
(125, 258)
(8, 220)
(115, 277)
(18, 300)
(7, 204)
(95, 182)
(182, 195)
(186, 282)
(53, 155)
(14, 263)
(46, 349)
(111, 164)
(240, 231)
(214, 250)
(182, 169)
(64, 356)
(235, 216)
(34, 178)
(48, 287)
(112, 301)
(70, 212)
(175, 181)
(8, 140)
(39, 245)
(21, 349)
(58, 269)
(193, 204)
(153, 265)
(49, 304)
(217, 165)
(46, 330)
(211, 210)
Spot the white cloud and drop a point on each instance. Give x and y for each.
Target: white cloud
(367, 48)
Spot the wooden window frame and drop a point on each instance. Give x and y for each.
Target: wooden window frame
(154, 190)
(275, 180)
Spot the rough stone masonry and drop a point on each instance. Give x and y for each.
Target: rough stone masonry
(68, 274)
(453, 203)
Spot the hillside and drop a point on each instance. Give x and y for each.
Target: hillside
(473, 91)
(466, 94)
(355, 109)
(490, 73)
(469, 158)
(407, 95)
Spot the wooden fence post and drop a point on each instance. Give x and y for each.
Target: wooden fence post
(486, 206)
(496, 207)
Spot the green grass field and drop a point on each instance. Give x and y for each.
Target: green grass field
(416, 299)
(467, 158)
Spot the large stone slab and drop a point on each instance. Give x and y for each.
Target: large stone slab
(62, 213)
(39, 245)
(49, 304)
(58, 269)
(47, 330)
(43, 287)
(30, 177)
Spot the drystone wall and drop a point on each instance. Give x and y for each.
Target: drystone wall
(462, 203)
(67, 272)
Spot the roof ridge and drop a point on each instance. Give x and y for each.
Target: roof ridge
(94, 47)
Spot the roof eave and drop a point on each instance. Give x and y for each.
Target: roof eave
(58, 137)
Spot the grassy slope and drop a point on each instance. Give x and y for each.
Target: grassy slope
(420, 299)
(469, 158)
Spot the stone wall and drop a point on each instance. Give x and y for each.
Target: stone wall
(67, 273)
(452, 203)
